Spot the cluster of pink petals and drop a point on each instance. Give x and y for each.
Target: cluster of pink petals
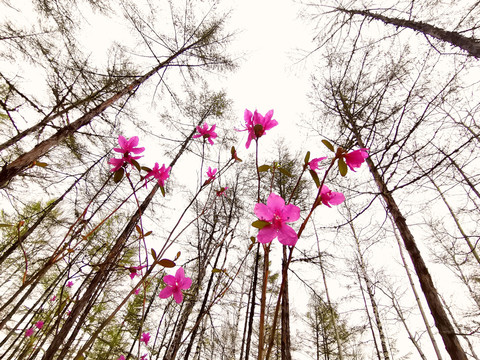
(313, 164)
(134, 269)
(207, 133)
(54, 297)
(277, 214)
(126, 147)
(121, 357)
(256, 125)
(330, 197)
(159, 173)
(211, 173)
(145, 338)
(29, 332)
(175, 285)
(356, 158)
(69, 284)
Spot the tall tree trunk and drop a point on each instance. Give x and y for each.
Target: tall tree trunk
(373, 302)
(104, 268)
(22, 162)
(470, 45)
(327, 294)
(285, 332)
(442, 322)
(417, 298)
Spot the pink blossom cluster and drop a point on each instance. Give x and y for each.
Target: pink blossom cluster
(130, 146)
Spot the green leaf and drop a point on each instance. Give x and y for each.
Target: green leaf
(307, 158)
(5, 225)
(146, 168)
(264, 168)
(154, 254)
(118, 176)
(178, 255)
(148, 233)
(162, 190)
(138, 229)
(166, 263)
(252, 239)
(328, 145)
(285, 172)
(260, 224)
(232, 151)
(215, 270)
(342, 167)
(136, 164)
(315, 178)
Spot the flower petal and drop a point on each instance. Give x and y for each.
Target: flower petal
(186, 283)
(170, 280)
(275, 202)
(177, 295)
(336, 198)
(290, 213)
(122, 142)
(267, 234)
(263, 212)
(180, 274)
(287, 236)
(166, 292)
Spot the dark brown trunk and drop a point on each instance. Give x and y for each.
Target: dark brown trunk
(470, 45)
(285, 334)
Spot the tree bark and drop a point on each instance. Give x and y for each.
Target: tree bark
(24, 161)
(470, 45)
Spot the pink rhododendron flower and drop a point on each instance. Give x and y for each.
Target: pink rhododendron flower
(175, 285)
(222, 191)
(257, 125)
(313, 164)
(211, 174)
(126, 147)
(121, 357)
(144, 357)
(69, 284)
(39, 324)
(54, 297)
(134, 269)
(29, 332)
(277, 214)
(330, 197)
(208, 134)
(355, 158)
(137, 291)
(145, 338)
(159, 173)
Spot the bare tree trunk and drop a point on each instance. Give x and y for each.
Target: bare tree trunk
(285, 332)
(24, 161)
(457, 223)
(465, 337)
(374, 337)
(252, 307)
(334, 318)
(470, 45)
(373, 302)
(104, 269)
(399, 311)
(417, 298)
